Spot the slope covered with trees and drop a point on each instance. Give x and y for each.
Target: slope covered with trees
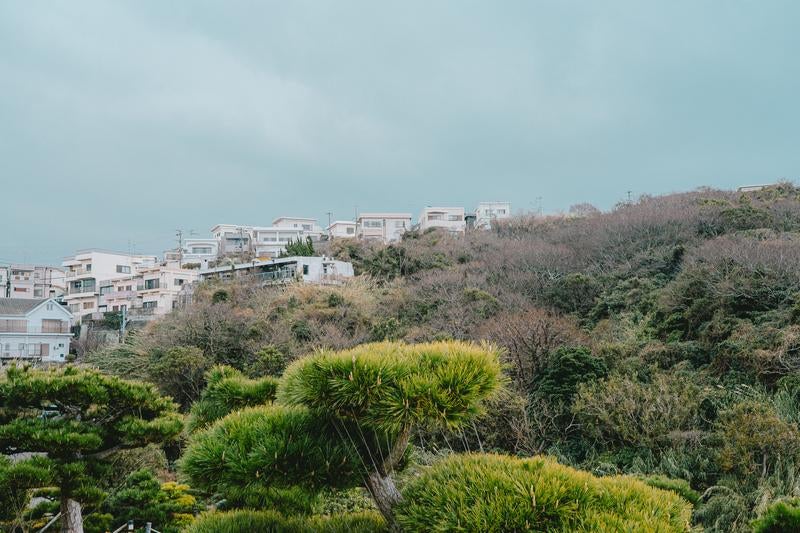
(657, 341)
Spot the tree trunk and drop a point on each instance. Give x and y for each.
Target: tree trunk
(71, 518)
(386, 496)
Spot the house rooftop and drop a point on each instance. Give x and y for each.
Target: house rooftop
(19, 306)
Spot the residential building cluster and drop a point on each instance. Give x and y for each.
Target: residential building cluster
(39, 304)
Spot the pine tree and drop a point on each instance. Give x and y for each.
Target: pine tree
(73, 420)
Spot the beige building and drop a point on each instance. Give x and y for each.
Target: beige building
(447, 218)
(31, 281)
(384, 227)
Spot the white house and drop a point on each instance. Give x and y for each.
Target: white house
(487, 212)
(34, 329)
(232, 238)
(270, 241)
(320, 270)
(448, 218)
(309, 226)
(31, 281)
(341, 229)
(199, 250)
(384, 227)
(87, 270)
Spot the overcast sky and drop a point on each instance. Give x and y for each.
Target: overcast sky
(122, 121)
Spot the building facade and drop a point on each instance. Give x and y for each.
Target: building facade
(31, 281)
(450, 219)
(232, 239)
(341, 229)
(199, 251)
(34, 329)
(318, 270)
(488, 212)
(308, 226)
(87, 270)
(271, 241)
(383, 227)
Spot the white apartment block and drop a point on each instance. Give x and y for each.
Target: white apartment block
(34, 329)
(384, 227)
(341, 229)
(31, 281)
(308, 226)
(87, 270)
(487, 212)
(447, 218)
(319, 270)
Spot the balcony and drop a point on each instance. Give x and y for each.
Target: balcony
(70, 274)
(83, 289)
(151, 286)
(61, 329)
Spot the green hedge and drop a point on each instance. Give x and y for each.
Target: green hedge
(273, 522)
(494, 493)
(780, 517)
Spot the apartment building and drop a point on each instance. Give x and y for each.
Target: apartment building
(448, 218)
(384, 227)
(341, 229)
(31, 281)
(87, 270)
(487, 212)
(308, 226)
(233, 239)
(34, 329)
(319, 270)
(271, 241)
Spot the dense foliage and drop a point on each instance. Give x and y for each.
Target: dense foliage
(493, 493)
(660, 339)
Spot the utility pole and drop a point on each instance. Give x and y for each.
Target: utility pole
(539, 203)
(330, 215)
(179, 235)
(8, 282)
(629, 196)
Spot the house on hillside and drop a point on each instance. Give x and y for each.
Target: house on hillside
(34, 330)
(447, 218)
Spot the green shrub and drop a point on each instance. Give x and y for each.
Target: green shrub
(494, 493)
(565, 369)
(274, 522)
(780, 517)
(678, 486)
(270, 455)
(227, 391)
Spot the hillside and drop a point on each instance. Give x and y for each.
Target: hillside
(659, 339)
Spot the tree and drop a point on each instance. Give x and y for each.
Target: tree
(341, 418)
(299, 248)
(73, 420)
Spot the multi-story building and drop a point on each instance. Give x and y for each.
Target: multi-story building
(322, 270)
(232, 239)
(488, 212)
(35, 329)
(270, 242)
(31, 281)
(447, 218)
(384, 227)
(151, 291)
(87, 270)
(309, 226)
(341, 229)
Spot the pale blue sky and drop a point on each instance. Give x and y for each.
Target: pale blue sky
(122, 121)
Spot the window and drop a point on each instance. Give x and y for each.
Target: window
(20, 289)
(50, 325)
(123, 269)
(149, 305)
(373, 223)
(399, 224)
(13, 326)
(37, 293)
(306, 227)
(201, 250)
(305, 270)
(88, 305)
(151, 284)
(501, 211)
(89, 267)
(437, 216)
(454, 218)
(179, 281)
(350, 231)
(106, 290)
(50, 307)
